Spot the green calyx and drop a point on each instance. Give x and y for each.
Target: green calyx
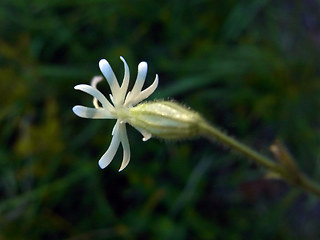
(165, 119)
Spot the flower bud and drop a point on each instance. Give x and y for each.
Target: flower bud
(165, 119)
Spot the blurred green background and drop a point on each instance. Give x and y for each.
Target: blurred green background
(250, 67)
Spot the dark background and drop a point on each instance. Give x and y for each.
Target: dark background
(249, 67)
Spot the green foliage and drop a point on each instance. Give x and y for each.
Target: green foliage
(250, 67)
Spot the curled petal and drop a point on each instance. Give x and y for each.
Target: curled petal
(86, 112)
(110, 76)
(95, 80)
(125, 145)
(147, 92)
(146, 135)
(125, 82)
(106, 159)
(96, 94)
(142, 72)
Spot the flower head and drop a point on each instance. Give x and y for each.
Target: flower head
(122, 101)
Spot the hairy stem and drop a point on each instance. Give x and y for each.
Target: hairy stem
(297, 179)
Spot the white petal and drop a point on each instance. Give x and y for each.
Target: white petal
(125, 145)
(106, 159)
(96, 94)
(95, 80)
(111, 97)
(126, 78)
(109, 75)
(146, 135)
(86, 112)
(147, 92)
(115, 128)
(142, 72)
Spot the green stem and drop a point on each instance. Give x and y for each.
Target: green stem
(308, 185)
(298, 180)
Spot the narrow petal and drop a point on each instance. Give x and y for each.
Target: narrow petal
(141, 77)
(86, 112)
(125, 82)
(96, 94)
(142, 73)
(95, 80)
(125, 145)
(110, 76)
(146, 135)
(147, 92)
(115, 128)
(106, 159)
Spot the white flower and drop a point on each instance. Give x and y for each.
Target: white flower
(122, 102)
